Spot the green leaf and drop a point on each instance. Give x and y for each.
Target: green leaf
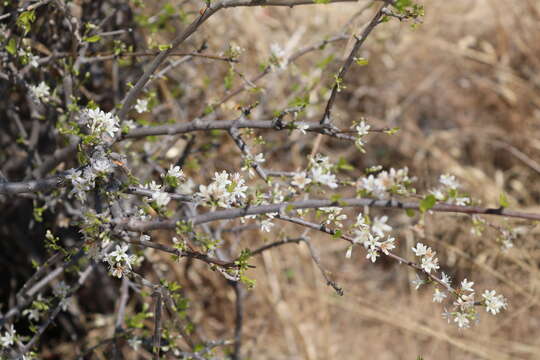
(164, 47)
(361, 61)
(92, 39)
(410, 212)
(503, 200)
(11, 47)
(228, 80)
(391, 131)
(25, 20)
(427, 202)
(342, 164)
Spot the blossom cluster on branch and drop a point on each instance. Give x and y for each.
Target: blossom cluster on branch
(117, 186)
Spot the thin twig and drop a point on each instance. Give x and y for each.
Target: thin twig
(157, 325)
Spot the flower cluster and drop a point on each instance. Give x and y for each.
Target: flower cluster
(61, 290)
(120, 263)
(174, 176)
(371, 236)
(160, 198)
(8, 337)
(321, 171)
(224, 191)
(362, 129)
(141, 105)
(279, 59)
(493, 302)
(101, 123)
(84, 179)
(333, 215)
(429, 261)
(41, 92)
(463, 311)
(266, 223)
(385, 183)
(38, 306)
(301, 180)
(448, 191)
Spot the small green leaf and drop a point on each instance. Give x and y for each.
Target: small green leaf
(92, 39)
(410, 212)
(391, 131)
(427, 202)
(344, 165)
(164, 47)
(11, 47)
(503, 200)
(25, 20)
(361, 61)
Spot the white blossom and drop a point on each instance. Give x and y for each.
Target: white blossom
(175, 172)
(300, 180)
(33, 60)
(302, 127)
(267, 224)
(387, 245)
(465, 301)
(102, 122)
(61, 290)
(321, 176)
(362, 236)
(438, 296)
(494, 303)
(259, 158)
(32, 314)
(186, 187)
(238, 187)
(417, 282)
(135, 342)
(348, 254)
(334, 215)
(420, 249)
(141, 105)
(373, 186)
(429, 263)
(161, 198)
(8, 337)
(446, 279)
(119, 261)
(101, 163)
(279, 56)
(462, 320)
(449, 181)
(438, 193)
(380, 226)
(467, 285)
(362, 129)
(41, 92)
(372, 254)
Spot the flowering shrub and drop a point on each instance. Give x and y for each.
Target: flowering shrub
(118, 189)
